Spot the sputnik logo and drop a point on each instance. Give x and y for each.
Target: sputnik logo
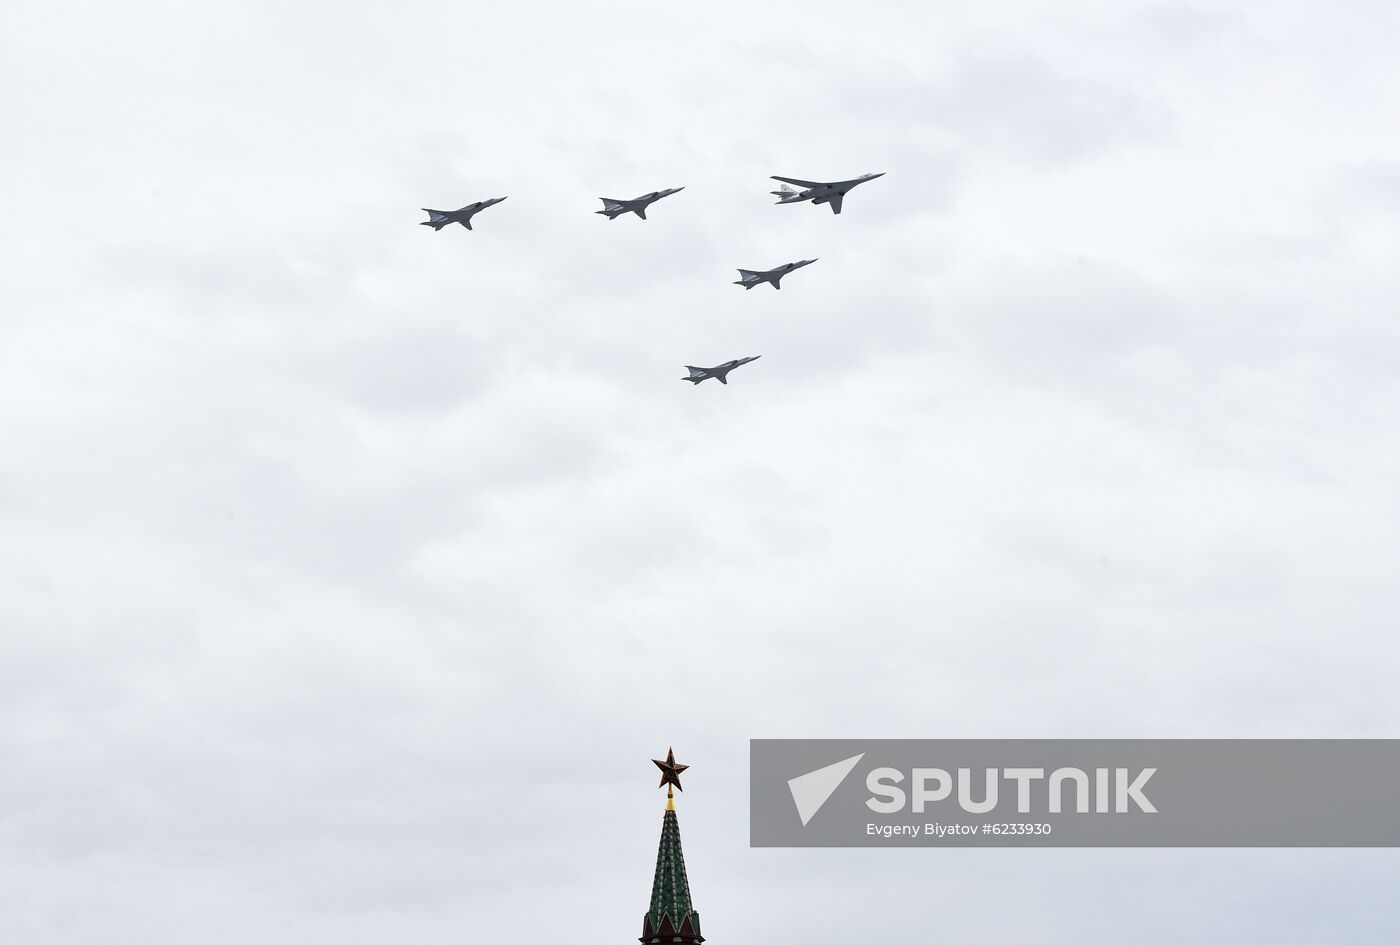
(813, 789)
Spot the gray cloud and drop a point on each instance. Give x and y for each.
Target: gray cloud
(351, 571)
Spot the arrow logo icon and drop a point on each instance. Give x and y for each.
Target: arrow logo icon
(811, 790)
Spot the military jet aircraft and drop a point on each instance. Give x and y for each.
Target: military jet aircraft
(818, 192)
(748, 278)
(612, 209)
(719, 373)
(437, 219)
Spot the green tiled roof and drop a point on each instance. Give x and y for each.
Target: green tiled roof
(670, 891)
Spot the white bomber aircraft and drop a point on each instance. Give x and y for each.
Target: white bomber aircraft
(818, 192)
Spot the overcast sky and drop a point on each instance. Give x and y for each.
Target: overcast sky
(350, 573)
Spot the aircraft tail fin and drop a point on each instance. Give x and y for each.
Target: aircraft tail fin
(788, 195)
(436, 219)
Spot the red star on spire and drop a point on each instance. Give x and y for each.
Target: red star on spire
(670, 771)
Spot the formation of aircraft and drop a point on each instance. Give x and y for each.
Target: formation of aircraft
(612, 209)
(437, 219)
(748, 278)
(817, 192)
(719, 372)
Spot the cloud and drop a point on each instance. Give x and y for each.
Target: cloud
(351, 567)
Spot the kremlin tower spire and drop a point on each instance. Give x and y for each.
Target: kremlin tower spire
(671, 918)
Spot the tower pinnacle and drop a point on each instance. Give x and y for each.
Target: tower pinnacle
(671, 918)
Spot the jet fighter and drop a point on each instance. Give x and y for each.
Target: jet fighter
(818, 192)
(437, 219)
(749, 278)
(612, 209)
(719, 373)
